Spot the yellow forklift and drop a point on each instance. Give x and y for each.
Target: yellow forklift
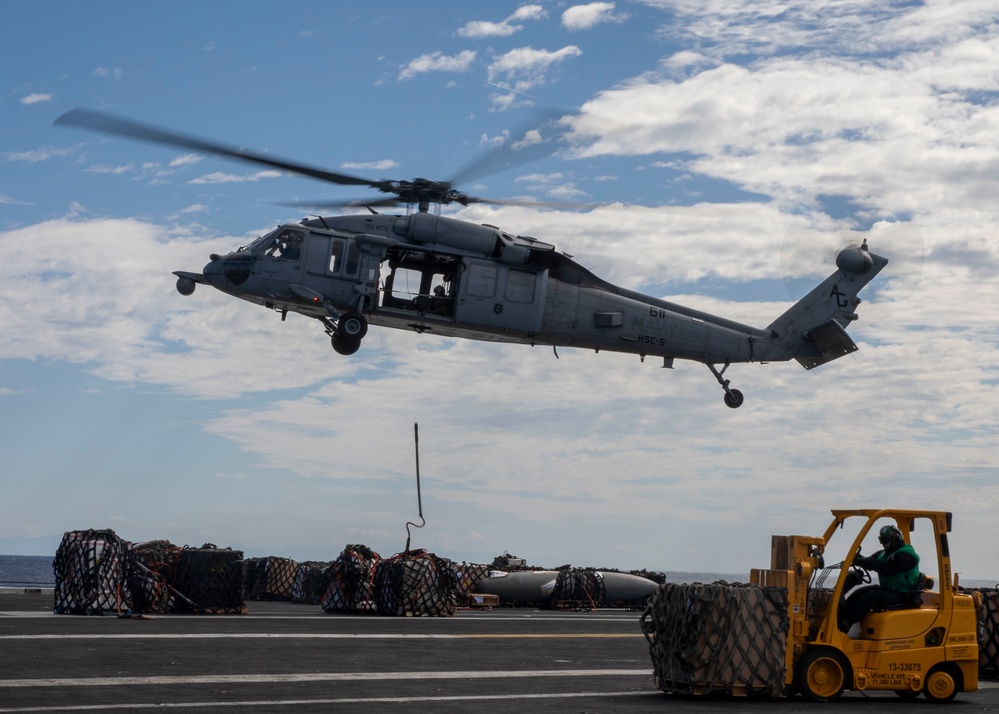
(927, 644)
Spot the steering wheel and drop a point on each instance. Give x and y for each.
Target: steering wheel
(859, 571)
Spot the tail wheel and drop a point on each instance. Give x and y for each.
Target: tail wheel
(941, 686)
(351, 327)
(822, 675)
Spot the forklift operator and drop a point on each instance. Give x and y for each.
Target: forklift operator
(897, 566)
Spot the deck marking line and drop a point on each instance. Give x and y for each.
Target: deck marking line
(314, 677)
(320, 636)
(325, 702)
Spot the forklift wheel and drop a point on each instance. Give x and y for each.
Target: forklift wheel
(821, 675)
(940, 685)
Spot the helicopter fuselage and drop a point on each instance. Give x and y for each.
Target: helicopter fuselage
(441, 275)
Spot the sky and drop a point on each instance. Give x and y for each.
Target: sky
(720, 154)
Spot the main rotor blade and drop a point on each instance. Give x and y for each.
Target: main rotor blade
(374, 202)
(524, 145)
(465, 201)
(108, 124)
(528, 203)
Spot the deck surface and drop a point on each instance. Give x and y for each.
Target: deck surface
(296, 658)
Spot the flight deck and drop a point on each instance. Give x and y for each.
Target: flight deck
(286, 657)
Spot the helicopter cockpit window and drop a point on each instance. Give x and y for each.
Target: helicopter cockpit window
(286, 245)
(520, 286)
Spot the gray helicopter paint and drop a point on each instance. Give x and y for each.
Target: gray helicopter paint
(561, 305)
(500, 296)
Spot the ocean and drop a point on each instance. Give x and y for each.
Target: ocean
(34, 571)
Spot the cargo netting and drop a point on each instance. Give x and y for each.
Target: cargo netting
(97, 572)
(211, 581)
(987, 611)
(718, 638)
(311, 582)
(351, 581)
(92, 574)
(467, 575)
(416, 584)
(155, 567)
(269, 578)
(577, 588)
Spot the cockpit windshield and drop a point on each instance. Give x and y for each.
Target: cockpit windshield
(261, 243)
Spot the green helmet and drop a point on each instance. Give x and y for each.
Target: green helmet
(890, 538)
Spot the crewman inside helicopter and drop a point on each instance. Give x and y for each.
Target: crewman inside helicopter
(286, 246)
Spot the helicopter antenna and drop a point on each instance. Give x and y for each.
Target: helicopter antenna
(419, 498)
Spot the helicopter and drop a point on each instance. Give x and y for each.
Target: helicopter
(432, 273)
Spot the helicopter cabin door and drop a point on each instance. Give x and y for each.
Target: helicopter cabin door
(333, 266)
(500, 295)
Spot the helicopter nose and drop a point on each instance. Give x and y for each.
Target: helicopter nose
(213, 273)
(229, 271)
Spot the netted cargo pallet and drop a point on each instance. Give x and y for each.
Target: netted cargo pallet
(416, 584)
(92, 574)
(717, 638)
(466, 575)
(269, 578)
(155, 566)
(351, 581)
(311, 582)
(577, 588)
(210, 581)
(987, 611)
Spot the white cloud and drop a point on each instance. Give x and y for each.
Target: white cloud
(114, 170)
(524, 68)
(37, 98)
(585, 17)
(370, 165)
(556, 186)
(221, 177)
(478, 29)
(116, 73)
(800, 127)
(438, 62)
(36, 155)
(185, 160)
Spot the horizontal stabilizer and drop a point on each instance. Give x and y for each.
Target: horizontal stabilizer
(830, 342)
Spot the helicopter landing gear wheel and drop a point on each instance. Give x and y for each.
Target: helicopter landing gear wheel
(941, 685)
(733, 397)
(345, 347)
(821, 675)
(351, 327)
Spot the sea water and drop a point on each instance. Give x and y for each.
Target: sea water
(27, 571)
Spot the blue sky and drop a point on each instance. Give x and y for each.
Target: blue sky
(726, 151)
